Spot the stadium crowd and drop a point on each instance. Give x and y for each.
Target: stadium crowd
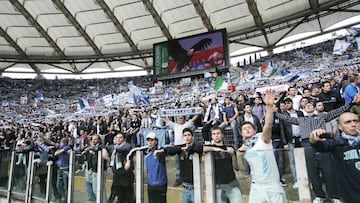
(54, 123)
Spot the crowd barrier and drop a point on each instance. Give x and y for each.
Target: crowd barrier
(26, 179)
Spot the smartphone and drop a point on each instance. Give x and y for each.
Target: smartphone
(326, 136)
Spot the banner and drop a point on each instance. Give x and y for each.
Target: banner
(108, 100)
(277, 88)
(181, 111)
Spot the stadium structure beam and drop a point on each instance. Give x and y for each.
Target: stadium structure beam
(314, 5)
(245, 43)
(204, 17)
(115, 71)
(21, 8)
(283, 23)
(257, 18)
(21, 52)
(289, 31)
(119, 27)
(6, 67)
(78, 59)
(346, 10)
(150, 7)
(61, 68)
(60, 5)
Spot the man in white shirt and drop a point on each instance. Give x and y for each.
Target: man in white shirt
(266, 186)
(295, 97)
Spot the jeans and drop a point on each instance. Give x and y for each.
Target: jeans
(188, 195)
(279, 156)
(62, 182)
(229, 192)
(291, 158)
(90, 195)
(235, 130)
(316, 162)
(95, 183)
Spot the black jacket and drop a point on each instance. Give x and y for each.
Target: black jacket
(286, 129)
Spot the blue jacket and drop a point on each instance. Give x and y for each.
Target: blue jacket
(156, 169)
(63, 158)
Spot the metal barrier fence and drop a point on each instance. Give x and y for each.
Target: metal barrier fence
(27, 178)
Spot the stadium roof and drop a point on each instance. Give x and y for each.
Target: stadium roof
(84, 36)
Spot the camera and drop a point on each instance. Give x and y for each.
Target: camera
(326, 136)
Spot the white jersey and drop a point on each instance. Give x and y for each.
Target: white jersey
(266, 185)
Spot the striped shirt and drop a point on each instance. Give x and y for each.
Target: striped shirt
(309, 123)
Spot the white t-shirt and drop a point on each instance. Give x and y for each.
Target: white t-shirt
(178, 128)
(266, 185)
(262, 162)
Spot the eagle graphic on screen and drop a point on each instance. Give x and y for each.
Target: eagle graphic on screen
(182, 56)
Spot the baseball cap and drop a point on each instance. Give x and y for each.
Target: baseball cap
(151, 135)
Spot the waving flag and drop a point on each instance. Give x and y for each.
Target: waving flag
(138, 95)
(220, 84)
(268, 69)
(340, 47)
(84, 104)
(284, 72)
(237, 75)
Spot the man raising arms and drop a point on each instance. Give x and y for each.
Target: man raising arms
(266, 186)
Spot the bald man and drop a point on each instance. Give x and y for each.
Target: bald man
(346, 151)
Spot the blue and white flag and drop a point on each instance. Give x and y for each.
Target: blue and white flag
(138, 95)
(340, 47)
(358, 43)
(285, 72)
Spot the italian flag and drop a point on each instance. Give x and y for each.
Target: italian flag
(268, 69)
(220, 84)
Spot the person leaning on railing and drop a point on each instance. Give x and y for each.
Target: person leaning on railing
(345, 150)
(63, 157)
(122, 186)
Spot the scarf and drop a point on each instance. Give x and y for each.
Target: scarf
(353, 140)
(116, 162)
(249, 143)
(208, 110)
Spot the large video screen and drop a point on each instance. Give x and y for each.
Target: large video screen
(187, 54)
